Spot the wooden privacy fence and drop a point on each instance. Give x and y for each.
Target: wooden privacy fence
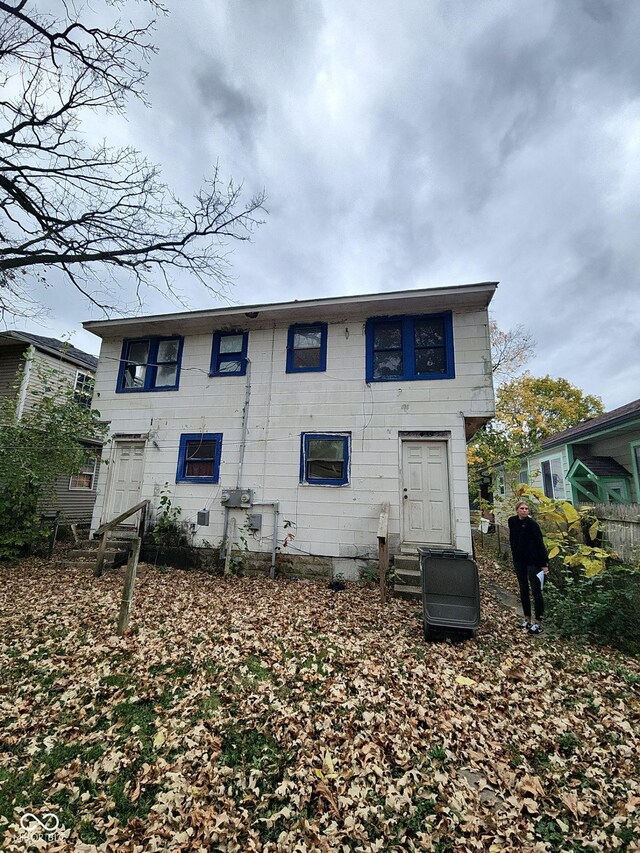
(621, 529)
(620, 524)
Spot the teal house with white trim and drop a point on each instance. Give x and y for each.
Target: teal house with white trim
(596, 461)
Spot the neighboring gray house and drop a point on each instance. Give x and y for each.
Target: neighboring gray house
(596, 461)
(24, 360)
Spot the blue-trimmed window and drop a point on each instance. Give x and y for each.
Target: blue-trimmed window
(307, 348)
(199, 457)
(229, 353)
(412, 347)
(150, 364)
(324, 458)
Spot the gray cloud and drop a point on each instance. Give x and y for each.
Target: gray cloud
(418, 144)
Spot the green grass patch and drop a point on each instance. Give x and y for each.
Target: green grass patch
(62, 754)
(437, 753)
(248, 748)
(245, 748)
(26, 787)
(210, 705)
(19, 789)
(116, 680)
(174, 670)
(569, 743)
(135, 714)
(630, 677)
(548, 830)
(88, 834)
(256, 668)
(124, 808)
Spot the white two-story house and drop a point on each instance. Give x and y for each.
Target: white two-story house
(301, 417)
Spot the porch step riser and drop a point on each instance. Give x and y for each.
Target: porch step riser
(405, 591)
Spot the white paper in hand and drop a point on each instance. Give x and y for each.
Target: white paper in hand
(540, 577)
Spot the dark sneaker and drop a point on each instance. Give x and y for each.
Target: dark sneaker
(524, 624)
(535, 628)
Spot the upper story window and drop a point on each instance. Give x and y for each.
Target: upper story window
(150, 364)
(199, 458)
(229, 354)
(307, 348)
(413, 347)
(83, 389)
(324, 458)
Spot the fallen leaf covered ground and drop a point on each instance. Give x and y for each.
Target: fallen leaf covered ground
(256, 715)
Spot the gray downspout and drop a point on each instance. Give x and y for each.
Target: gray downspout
(243, 441)
(245, 419)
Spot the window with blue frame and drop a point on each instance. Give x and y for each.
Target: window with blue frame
(307, 348)
(199, 457)
(229, 353)
(324, 458)
(411, 347)
(150, 364)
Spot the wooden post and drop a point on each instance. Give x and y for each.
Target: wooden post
(54, 534)
(129, 584)
(102, 547)
(383, 550)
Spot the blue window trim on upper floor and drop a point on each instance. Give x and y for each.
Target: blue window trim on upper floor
(151, 365)
(322, 355)
(218, 358)
(305, 438)
(407, 347)
(185, 438)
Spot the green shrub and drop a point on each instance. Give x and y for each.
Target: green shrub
(605, 607)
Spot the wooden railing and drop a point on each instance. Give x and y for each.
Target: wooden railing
(109, 525)
(383, 549)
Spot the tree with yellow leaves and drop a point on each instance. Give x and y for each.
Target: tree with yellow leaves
(530, 409)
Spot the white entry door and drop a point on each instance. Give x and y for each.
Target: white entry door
(125, 480)
(425, 493)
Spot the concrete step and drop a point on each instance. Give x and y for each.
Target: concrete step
(406, 591)
(406, 569)
(406, 561)
(407, 576)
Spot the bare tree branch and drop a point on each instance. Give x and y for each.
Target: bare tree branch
(83, 210)
(510, 350)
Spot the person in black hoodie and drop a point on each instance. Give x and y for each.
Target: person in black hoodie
(529, 558)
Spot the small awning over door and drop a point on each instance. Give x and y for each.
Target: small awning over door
(600, 479)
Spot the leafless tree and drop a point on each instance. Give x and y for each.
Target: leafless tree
(93, 212)
(510, 350)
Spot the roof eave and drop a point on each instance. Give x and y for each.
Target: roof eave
(471, 296)
(62, 356)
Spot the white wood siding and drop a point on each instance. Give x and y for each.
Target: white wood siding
(48, 374)
(330, 521)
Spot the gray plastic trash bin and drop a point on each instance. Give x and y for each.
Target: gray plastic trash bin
(450, 592)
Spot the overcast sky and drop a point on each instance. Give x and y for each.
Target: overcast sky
(412, 144)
